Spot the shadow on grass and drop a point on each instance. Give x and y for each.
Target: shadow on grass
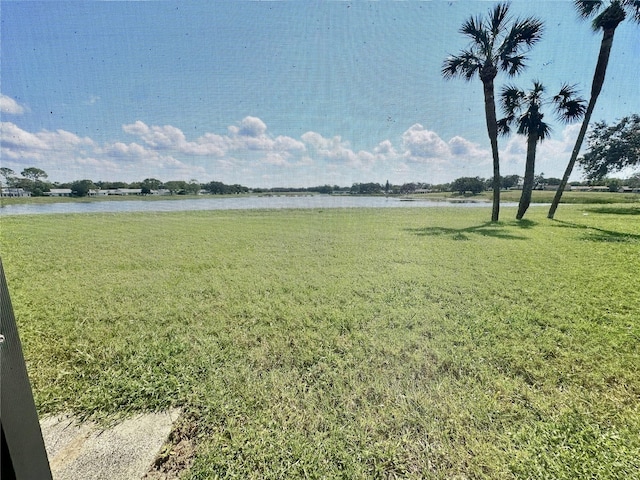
(487, 229)
(616, 210)
(599, 234)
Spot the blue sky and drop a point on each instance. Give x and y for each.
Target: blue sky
(277, 93)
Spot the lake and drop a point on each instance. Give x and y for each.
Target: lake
(234, 203)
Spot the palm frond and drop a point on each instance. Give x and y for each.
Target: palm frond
(504, 126)
(474, 29)
(543, 130)
(534, 97)
(587, 8)
(569, 106)
(531, 122)
(566, 93)
(522, 32)
(524, 109)
(511, 100)
(522, 35)
(465, 65)
(610, 17)
(634, 6)
(497, 18)
(572, 110)
(513, 65)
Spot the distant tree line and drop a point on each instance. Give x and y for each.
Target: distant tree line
(34, 180)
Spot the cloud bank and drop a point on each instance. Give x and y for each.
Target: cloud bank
(249, 154)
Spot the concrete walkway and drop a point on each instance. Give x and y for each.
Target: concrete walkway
(85, 451)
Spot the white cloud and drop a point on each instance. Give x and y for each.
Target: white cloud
(250, 127)
(209, 144)
(157, 137)
(247, 153)
(570, 134)
(462, 147)
(14, 138)
(62, 140)
(331, 149)
(66, 156)
(249, 136)
(138, 128)
(287, 144)
(421, 156)
(385, 148)
(9, 106)
(315, 140)
(17, 143)
(122, 150)
(423, 145)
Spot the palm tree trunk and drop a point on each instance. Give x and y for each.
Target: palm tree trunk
(529, 172)
(596, 87)
(492, 130)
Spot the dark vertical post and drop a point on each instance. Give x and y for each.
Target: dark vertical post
(23, 453)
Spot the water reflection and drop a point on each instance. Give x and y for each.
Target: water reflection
(232, 203)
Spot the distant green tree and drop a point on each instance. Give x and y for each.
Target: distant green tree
(463, 185)
(151, 184)
(408, 187)
(111, 185)
(506, 182)
(193, 187)
(39, 187)
(633, 181)
(8, 174)
(176, 186)
(238, 189)
(614, 184)
(510, 181)
(442, 187)
(539, 181)
(80, 188)
(612, 147)
(366, 188)
(216, 188)
(24, 183)
(33, 173)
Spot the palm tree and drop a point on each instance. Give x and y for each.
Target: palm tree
(524, 109)
(497, 43)
(607, 20)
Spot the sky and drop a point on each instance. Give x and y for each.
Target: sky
(279, 94)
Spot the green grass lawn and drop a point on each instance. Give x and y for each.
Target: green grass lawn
(541, 196)
(346, 343)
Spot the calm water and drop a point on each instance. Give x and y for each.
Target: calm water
(230, 203)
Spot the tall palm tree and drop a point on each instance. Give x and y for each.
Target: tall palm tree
(497, 43)
(606, 19)
(524, 109)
